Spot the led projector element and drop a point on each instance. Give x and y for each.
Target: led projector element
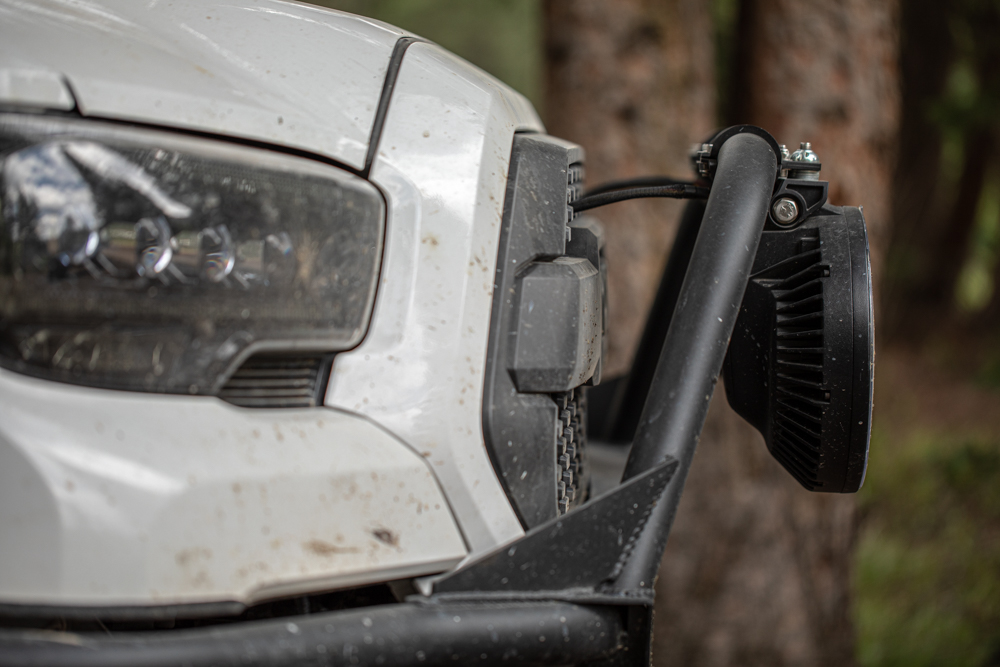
(801, 358)
(136, 259)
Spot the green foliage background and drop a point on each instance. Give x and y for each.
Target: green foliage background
(927, 579)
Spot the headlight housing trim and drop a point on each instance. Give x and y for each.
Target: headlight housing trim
(266, 252)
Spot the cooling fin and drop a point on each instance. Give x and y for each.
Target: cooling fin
(800, 361)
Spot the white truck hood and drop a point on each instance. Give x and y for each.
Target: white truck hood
(278, 72)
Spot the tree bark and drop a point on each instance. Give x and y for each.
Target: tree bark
(757, 569)
(632, 82)
(828, 73)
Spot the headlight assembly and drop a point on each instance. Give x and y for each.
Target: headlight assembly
(137, 259)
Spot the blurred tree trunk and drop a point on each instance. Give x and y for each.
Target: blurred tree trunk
(926, 51)
(632, 82)
(984, 21)
(762, 565)
(757, 570)
(936, 204)
(828, 73)
(935, 211)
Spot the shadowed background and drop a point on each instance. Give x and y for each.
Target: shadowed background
(901, 101)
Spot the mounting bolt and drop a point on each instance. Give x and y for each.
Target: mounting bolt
(805, 153)
(700, 156)
(785, 211)
(784, 151)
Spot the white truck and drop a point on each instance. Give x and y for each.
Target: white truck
(298, 319)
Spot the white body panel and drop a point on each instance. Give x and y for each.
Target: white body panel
(280, 72)
(117, 498)
(443, 161)
(35, 88)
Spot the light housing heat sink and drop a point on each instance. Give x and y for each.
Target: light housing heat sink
(801, 358)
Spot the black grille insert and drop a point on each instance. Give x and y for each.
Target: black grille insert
(574, 187)
(573, 474)
(521, 429)
(278, 381)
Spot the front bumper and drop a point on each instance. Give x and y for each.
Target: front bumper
(403, 634)
(117, 499)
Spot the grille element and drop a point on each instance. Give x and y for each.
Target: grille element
(524, 427)
(278, 381)
(574, 187)
(571, 440)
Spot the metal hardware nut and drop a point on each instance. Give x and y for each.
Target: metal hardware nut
(785, 211)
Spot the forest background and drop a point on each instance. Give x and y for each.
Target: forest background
(901, 100)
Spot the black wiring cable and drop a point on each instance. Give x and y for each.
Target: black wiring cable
(638, 182)
(675, 191)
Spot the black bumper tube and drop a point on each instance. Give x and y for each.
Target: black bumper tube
(626, 408)
(698, 337)
(537, 633)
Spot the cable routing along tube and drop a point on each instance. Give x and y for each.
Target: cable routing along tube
(675, 191)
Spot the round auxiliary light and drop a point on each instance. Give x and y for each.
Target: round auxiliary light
(801, 358)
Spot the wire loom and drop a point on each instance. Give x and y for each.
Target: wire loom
(604, 195)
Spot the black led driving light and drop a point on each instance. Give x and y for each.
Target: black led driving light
(800, 361)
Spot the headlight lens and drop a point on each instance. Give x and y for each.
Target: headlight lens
(137, 259)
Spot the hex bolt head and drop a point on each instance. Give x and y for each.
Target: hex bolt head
(805, 153)
(785, 211)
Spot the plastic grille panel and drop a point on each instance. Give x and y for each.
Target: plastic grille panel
(573, 482)
(574, 187)
(278, 381)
